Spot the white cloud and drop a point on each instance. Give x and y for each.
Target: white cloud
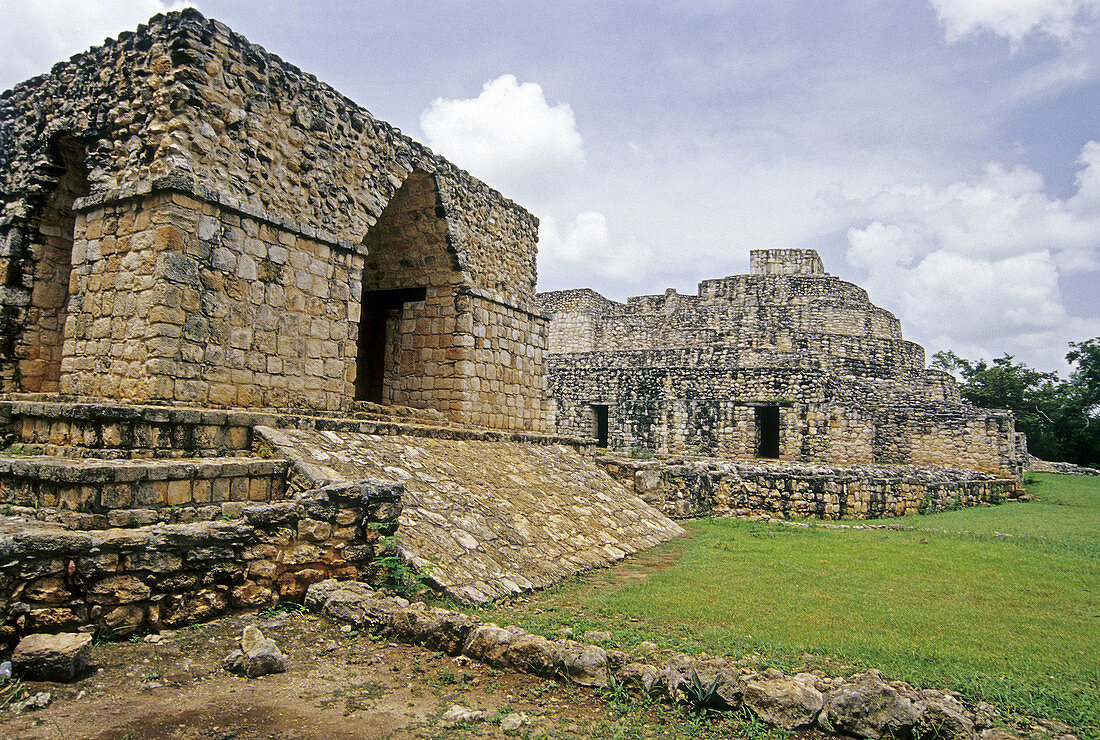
(585, 248)
(1003, 213)
(975, 266)
(1015, 19)
(36, 34)
(508, 136)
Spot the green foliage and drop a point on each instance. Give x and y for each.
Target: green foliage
(398, 575)
(699, 695)
(1059, 416)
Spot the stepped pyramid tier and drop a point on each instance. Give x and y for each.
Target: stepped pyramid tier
(787, 362)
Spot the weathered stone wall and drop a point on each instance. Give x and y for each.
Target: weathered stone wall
(691, 374)
(722, 488)
(235, 214)
(150, 577)
(177, 299)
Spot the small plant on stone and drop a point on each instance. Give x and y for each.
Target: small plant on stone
(398, 575)
(699, 695)
(616, 694)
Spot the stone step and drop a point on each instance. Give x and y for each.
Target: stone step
(88, 486)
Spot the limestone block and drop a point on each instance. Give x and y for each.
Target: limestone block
(62, 657)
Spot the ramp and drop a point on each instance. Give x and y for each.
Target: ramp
(491, 517)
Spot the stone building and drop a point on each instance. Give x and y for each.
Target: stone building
(189, 219)
(787, 362)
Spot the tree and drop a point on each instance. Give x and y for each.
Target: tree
(1086, 355)
(1059, 416)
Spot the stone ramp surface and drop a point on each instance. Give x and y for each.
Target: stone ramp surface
(491, 517)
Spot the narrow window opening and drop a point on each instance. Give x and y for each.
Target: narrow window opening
(767, 431)
(599, 411)
(379, 337)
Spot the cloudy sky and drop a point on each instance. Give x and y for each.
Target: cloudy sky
(944, 154)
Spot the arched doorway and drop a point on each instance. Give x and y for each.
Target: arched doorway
(407, 307)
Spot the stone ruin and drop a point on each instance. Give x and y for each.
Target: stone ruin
(188, 219)
(787, 363)
(253, 338)
(248, 332)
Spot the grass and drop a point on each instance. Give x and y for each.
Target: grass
(1013, 620)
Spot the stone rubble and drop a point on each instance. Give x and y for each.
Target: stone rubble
(257, 657)
(459, 715)
(865, 705)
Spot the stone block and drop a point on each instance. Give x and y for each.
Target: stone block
(62, 657)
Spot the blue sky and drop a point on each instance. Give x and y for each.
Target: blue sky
(943, 154)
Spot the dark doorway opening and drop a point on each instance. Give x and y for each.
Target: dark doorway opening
(376, 338)
(599, 411)
(767, 430)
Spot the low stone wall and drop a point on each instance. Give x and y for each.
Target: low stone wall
(722, 488)
(1036, 465)
(165, 575)
(864, 705)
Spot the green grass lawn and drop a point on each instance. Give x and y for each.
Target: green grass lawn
(1014, 620)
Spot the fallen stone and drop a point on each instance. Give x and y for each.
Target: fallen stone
(458, 715)
(639, 678)
(585, 664)
(436, 629)
(868, 706)
(942, 715)
(597, 636)
(41, 700)
(60, 657)
(258, 655)
(488, 644)
(512, 722)
(789, 703)
(536, 655)
(678, 670)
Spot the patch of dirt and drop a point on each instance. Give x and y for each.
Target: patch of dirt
(337, 685)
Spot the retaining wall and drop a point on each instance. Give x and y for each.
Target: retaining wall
(721, 488)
